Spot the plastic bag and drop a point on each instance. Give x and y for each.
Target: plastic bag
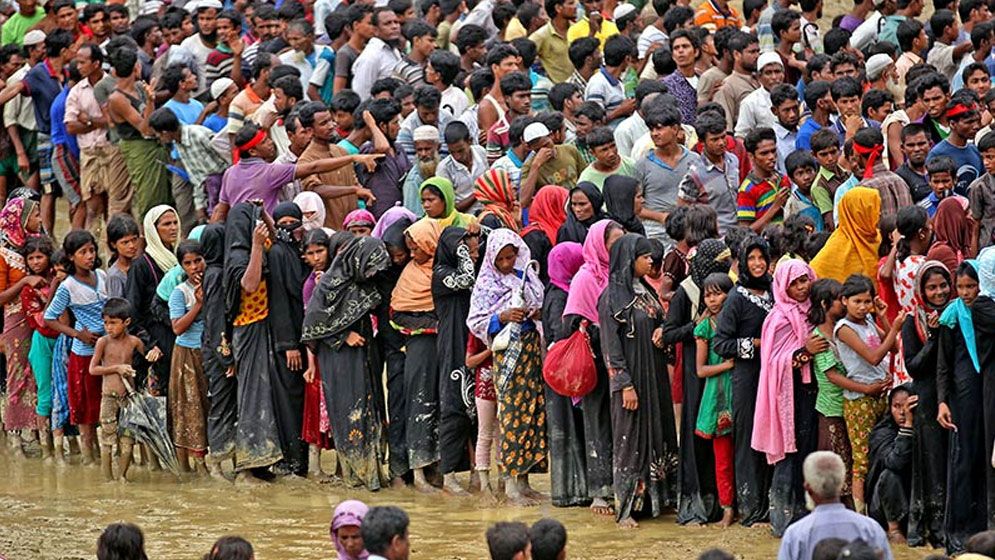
(569, 366)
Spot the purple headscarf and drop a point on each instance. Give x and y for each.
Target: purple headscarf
(348, 513)
(564, 261)
(391, 217)
(592, 278)
(493, 291)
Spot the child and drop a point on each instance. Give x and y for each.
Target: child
(827, 309)
(607, 161)
(84, 292)
(863, 347)
(983, 197)
(826, 149)
(112, 359)
(764, 193)
(478, 359)
(187, 383)
(715, 415)
(802, 166)
(123, 241)
(549, 540)
(942, 178)
(37, 252)
(317, 431)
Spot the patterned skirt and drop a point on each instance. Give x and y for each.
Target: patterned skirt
(522, 409)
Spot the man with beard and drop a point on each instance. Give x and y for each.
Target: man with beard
(147, 33)
(787, 113)
(202, 43)
(379, 56)
(755, 110)
(426, 139)
(305, 56)
(735, 87)
(915, 147)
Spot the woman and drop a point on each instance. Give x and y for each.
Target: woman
(951, 233)
(582, 303)
(920, 335)
(644, 434)
(568, 476)
(623, 201)
(699, 498)
(285, 278)
(339, 330)
(853, 246)
(737, 337)
(313, 209)
(19, 219)
(391, 217)
(413, 315)
(360, 222)
(785, 403)
(453, 276)
(983, 314)
(438, 199)
(346, 521)
(584, 210)
(891, 463)
(495, 191)
(151, 320)
(546, 215)
(257, 438)
(505, 276)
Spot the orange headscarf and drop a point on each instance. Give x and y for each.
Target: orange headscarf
(853, 247)
(414, 287)
(495, 191)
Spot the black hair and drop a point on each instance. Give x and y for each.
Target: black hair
(173, 75)
(674, 225)
(868, 137)
(418, 28)
(120, 225)
(972, 68)
(941, 164)
(909, 221)
(345, 100)
(982, 32)
(481, 80)
(527, 12)
(446, 64)
(814, 92)
(516, 130)
(782, 93)
(875, 99)
(282, 71)
(676, 17)
(291, 87)
(856, 284)
(515, 82)
(686, 34)
(384, 110)
(291, 12)
(76, 240)
(505, 539)
(57, 41)
(710, 122)
(336, 22)
(59, 4)
(646, 88)
(117, 308)
(734, 238)
(795, 234)
(427, 97)
(498, 53)
(965, 8)
(617, 49)
(549, 538)
(385, 85)
(316, 237)
(231, 548)
(141, 27)
(940, 20)
(722, 36)
(91, 10)
(581, 49)
(740, 41)
(663, 62)
(798, 159)
(700, 223)
(8, 51)
(307, 111)
(845, 87)
(932, 80)
(756, 136)
(121, 540)
(553, 120)
(828, 548)
(815, 242)
(469, 35)
(502, 15)
(559, 93)
(456, 131)
(987, 142)
(824, 139)
(381, 525)
(908, 31)
(965, 269)
(234, 17)
(356, 12)
(38, 244)
(188, 246)
(717, 281)
(600, 136)
(164, 120)
(711, 107)
(835, 40)
(817, 63)
(773, 234)
(782, 21)
(592, 110)
(912, 129)
(716, 553)
(527, 50)
(399, 6)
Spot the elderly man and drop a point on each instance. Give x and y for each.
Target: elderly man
(824, 474)
(426, 141)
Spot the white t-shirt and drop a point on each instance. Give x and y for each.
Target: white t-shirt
(200, 51)
(649, 37)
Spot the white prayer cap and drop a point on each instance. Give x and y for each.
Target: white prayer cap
(623, 10)
(876, 65)
(33, 37)
(769, 58)
(150, 8)
(534, 132)
(426, 132)
(220, 86)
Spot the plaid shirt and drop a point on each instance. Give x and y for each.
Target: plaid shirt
(894, 192)
(200, 158)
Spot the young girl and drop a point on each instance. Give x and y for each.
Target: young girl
(37, 253)
(715, 412)
(123, 241)
(479, 360)
(360, 222)
(316, 431)
(187, 383)
(84, 292)
(863, 346)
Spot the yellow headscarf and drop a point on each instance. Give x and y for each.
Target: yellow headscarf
(452, 217)
(853, 247)
(413, 291)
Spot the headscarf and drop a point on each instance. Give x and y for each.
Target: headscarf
(592, 278)
(784, 331)
(986, 271)
(285, 233)
(212, 241)
(164, 258)
(853, 246)
(359, 217)
(310, 201)
(495, 191)
(346, 293)
(923, 308)
(951, 232)
(548, 211)
(958, 314)
(746, 279)
(494, 291)
(336, 242)
(444, 187)
(620, 202)
(349, 513)
(575, 229)
(413, 291)
(621, 290)
(711, 255)
(239, 225)
(564, 261)
(174, 276)
(13, 217)
(390, 217)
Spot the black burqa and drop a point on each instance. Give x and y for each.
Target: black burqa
(150, 318)
(645, 440)
(453, 277)
(285, 284)
(740, 323)
(575, 229)
(889, 476)
(221, 389)
(698, 501)
(620, 202)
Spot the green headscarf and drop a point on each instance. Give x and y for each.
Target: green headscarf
(452, 217)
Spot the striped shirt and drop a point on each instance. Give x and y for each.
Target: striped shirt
(87, 305)
(219, 64)
(605, 90)
(756, 196)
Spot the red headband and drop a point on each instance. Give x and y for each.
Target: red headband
(872, 154)
(256, 140)
(960, 109)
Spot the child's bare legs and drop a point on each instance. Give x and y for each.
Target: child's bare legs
(421, 483)
(126, 447)
(183, 457)
(88, 435)
(58, 437)
(106, 464)
(858, 494)
(150, 459)
(44, 437)
(487, 430)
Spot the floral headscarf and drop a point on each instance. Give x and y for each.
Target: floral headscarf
(495, 191)
(493, 291)
(13, 218)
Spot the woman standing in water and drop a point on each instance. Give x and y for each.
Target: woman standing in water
(738, 337)
(645, 437)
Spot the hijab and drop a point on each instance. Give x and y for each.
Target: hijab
(239, 226)
(548, 212)
(212, 242)
(174, 276)
(575, 229)
(448, 257)
(494, 291)
(622, 283)
(951, 232)
(359, 217)
(349, 513)
(495, 191)
(784, 331)
(986, 272)
(444, 187)
(746, 279)
(346, 292)
(309, 201)
(285, 233)
(853, 246)
(923, 309)
(620, 202)
(592, 278)
(413, 291)
(958, 314)
(390, 217)
(711, 255)
(164, 258)
(564, 261)
(13, 218)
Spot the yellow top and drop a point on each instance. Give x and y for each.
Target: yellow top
(254, 306)
(583, 28)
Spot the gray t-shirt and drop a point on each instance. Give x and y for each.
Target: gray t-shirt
(661, 184)
(116, 281)
(344, 58)
(857, 368)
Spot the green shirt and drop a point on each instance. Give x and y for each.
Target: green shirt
(563, 170)
(829, 401)
(17, 26)
(627, 168)
(715, 411)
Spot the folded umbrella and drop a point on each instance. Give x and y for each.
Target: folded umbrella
(145, 417)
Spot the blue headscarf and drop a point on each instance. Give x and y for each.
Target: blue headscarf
(959, 314)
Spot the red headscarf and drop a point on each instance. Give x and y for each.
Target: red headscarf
(548, 211)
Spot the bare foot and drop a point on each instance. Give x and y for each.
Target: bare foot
(601, 507)
(727, 517)
(321, 478)
(475, 484)
(397, 483)
(521, 500)
(628, 523)
(123, 479)
(425, 488)
(452, 486)
(246, 478)
(534, 494)
(896, 537)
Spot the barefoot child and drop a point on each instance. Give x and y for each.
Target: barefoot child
(123, 241)
(37, 253)
(478, 359)
(715, 415)
(112, 359)
(317, 430)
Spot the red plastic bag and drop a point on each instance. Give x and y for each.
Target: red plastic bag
(569, 367)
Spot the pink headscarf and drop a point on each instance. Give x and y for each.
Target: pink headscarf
(785, 331)
(564, 261)
(359, 217)
(592, 278)
(348, 513)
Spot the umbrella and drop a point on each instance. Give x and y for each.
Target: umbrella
(510, 357)
(145, 416)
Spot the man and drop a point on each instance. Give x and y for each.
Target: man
(819, 100)
(915, 148)
(934, 90)
(471, 44)
(552, 164)
(880, 72)
(945, 55)
(711, 79)
(360, 23)
(551, 39)
(379, 57)
(714, 180)
(824, 475)
(427, 112)
(147, 33)
(605, 87)
(411, 68)
(912, 40)
(764, 27)
(266, 25)
(464, 164)
(607, 161)
(981, 40)
(104, 182)
(972, 13)
(181, 83)
(385, 533)
(305, 56)
(502, 60)
(286, 93)
(426, 139)
(755, 110)
(517, 91)
(566, 98)
(765, 191)
(386, 180)
(453, 10)
(745, 51)
(253, 95)
(846, 93)
(440, 73)
(96, 20)
(17, 26)
(200, 158)
(784, 106)
(593, 24)
(202, 43)
(585, 57)
(300, 138)
(661, 171)
(787, 28)
(868, 143)
(19, 112)
(965, 120)
(682, 84)
(518, 151)
(226, 58)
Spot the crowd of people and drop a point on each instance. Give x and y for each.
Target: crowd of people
(374, 228)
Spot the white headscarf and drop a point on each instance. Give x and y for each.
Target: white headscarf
(154, 247)
(309, 201)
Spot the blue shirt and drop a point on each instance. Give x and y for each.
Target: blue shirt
(87, 305)
(60, 136)
(840, 191)
(967, 160)
(180, 301)
(188, 112)
(829, 521)
(215, 123)
(804, 139)
(43, 85)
